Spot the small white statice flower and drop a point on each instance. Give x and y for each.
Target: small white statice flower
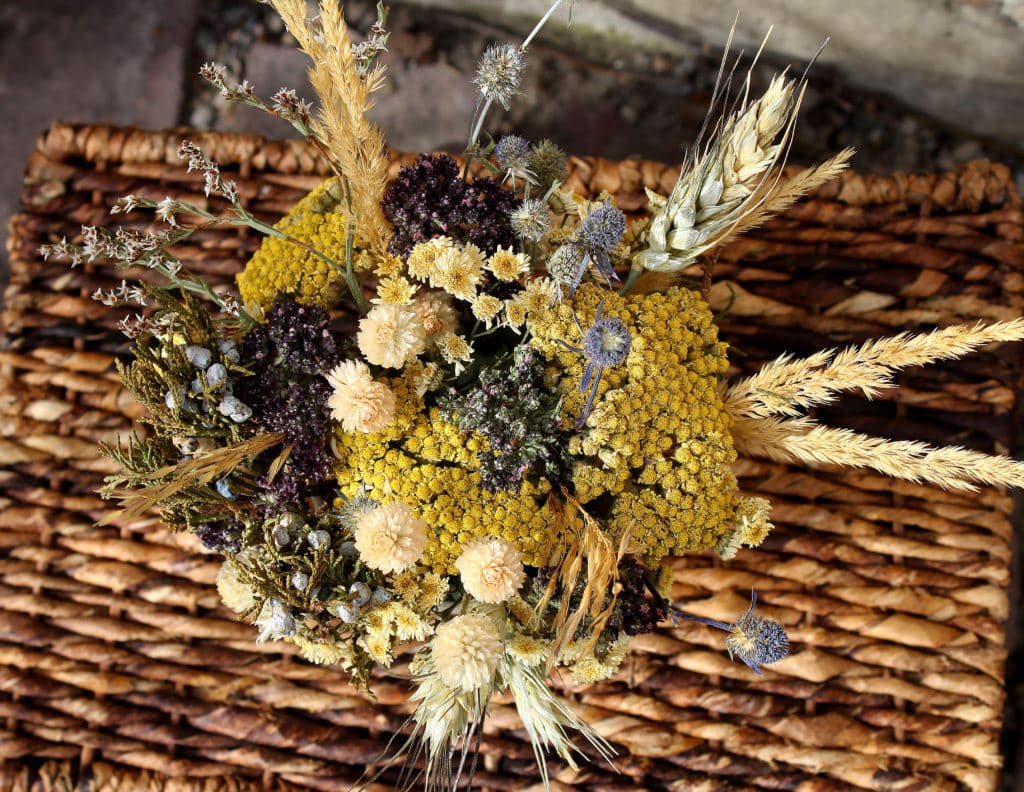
(390, 538)
(166, 209)
(466, 652)
(357, 402)
(491, 569)
(389, 335)
(275, 621)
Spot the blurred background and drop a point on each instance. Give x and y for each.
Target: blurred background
(913, 85)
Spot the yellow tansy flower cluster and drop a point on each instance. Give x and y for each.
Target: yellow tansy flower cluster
(281, 267)
(657, 439)
(425, 461)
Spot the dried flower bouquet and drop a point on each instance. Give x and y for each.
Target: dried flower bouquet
(472, 415)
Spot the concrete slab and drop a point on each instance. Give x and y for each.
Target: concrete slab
(961, 61)
(62, 59)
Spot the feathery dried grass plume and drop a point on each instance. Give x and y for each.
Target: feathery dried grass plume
(768, 407)
(354, 145)
(788, 387)
(802, 440)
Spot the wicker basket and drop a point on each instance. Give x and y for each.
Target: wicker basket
(119, 670)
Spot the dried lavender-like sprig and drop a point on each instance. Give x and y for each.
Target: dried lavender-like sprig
(366, 52)
(215, 183)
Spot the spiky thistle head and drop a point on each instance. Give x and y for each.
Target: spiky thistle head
(499, 72)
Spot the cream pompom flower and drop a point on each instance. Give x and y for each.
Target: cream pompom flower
(437, 314)
(491, 569)
(390, 334)
(233, 592)
(466, 652)
(390, 538)
(357, 402)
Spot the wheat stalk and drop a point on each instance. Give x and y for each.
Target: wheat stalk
(719, 189)
(341, 123)
(804, 441)
(788, 387)
(779, 197)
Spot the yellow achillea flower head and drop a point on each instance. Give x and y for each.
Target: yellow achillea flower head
(281, 267)
(658, 437)
(425, 461)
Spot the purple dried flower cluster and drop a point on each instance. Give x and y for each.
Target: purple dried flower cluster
(637, 610)
(288, 395)
(429, 199)
(519, 419)
(221, 537)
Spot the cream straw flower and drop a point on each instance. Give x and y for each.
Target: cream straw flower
(422, 261)
(390, 538)
(455, 349)
(357, 402)
(458, 271)
(235, 594)
(486, 307)
(436, 312)
(389, 335)
(491, 569)
(507, 265)
(466, 652)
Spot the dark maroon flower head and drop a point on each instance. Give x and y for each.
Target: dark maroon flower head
(429, 199)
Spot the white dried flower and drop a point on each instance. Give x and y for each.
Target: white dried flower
(436, 311)
(459, 271)
(275, 621)
(233, 592)
(389, 335)
(390, 538)
(491, 569)
(324, 652)
(466, 652)
(357, 402)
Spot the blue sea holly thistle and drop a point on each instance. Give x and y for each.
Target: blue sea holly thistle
(755, 640)
(605, 343)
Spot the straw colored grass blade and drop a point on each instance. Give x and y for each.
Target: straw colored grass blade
(356, 145)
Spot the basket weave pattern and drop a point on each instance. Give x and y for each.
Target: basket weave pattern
(120, 670)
